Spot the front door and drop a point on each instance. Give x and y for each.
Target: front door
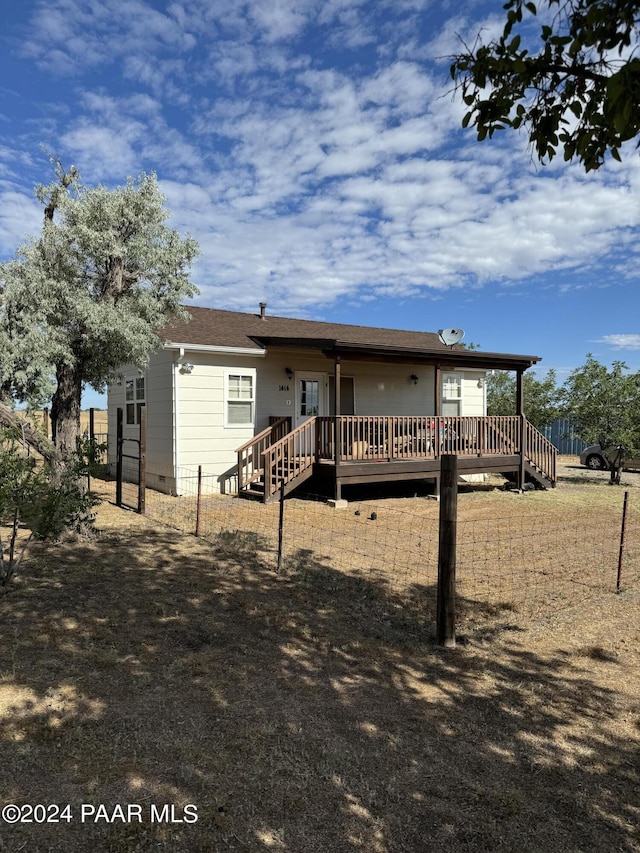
(311, 396)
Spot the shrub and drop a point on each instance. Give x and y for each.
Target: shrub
(38, 500)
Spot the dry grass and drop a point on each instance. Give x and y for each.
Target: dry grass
(37, 418)
(534, 553)
(309, 711)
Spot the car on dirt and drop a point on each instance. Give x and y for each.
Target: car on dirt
(595, 458)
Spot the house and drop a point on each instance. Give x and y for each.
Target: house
(263, 403)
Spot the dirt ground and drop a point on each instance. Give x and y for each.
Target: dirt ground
(166, 678)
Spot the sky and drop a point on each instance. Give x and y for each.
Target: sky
(314, 149)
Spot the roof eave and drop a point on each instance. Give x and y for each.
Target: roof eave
(211, 348)
(457, 357)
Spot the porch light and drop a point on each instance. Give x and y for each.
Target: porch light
(414, 378)
(186, 367)
(289, 372)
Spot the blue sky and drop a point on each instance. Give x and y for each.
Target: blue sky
(314, 150)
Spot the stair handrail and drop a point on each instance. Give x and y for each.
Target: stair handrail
(289, 457)
(250, 453)
(539, 451)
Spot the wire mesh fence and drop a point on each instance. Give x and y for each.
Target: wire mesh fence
(521, 563)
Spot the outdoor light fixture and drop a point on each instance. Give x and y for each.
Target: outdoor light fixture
(289, 372)
(187, 367)
(414, 378)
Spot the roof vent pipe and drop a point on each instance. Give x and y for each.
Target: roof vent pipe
(263, 308)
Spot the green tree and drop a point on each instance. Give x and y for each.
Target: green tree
(541, 396)
(89, 294)
(567, 72)
(605, 406)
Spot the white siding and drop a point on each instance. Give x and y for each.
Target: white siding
(159, 405)
(160, 414)
(387, 389)
(203, 438)
(473, 393)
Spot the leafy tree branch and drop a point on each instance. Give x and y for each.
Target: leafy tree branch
(574, 88)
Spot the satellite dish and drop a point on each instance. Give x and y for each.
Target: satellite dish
(450, 337)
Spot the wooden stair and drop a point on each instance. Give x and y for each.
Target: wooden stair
(532, 474)
(256, 490)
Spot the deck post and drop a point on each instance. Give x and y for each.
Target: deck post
(519, 393)
(520, 413)
(336, 424)
(523, 438)
(446, 594)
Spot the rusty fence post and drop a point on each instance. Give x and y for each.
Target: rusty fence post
(119, 442)
(199, 500)
(142, 462)
(623, 531)
(280, 527)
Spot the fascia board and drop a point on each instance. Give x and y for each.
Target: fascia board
(209, 348)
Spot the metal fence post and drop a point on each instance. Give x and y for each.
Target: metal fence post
(280, 527)
(119, 441)
(199, 500)
(142, 462)
(623, 531)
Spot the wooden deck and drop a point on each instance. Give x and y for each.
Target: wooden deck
(389, 448)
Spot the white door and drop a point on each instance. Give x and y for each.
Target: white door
(311, 396)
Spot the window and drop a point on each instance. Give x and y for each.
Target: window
(135, 399)
(309, 398)
(239, 399)
(452, 386)
(451, 394)
(347, 396)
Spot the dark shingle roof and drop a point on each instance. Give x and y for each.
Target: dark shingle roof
(219, 328)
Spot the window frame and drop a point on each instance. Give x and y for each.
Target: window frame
(446, 397)
(135, 401)
(242, 372)
(446, 382)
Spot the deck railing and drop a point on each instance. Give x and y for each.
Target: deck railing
(389, 437)
(282, 455)
(250, 459)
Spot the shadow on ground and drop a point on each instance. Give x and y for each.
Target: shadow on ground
(303, 712)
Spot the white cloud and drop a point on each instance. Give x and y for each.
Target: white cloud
(316, 169)
(20, 216)
(620, 342)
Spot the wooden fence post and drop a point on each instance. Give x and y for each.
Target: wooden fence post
(446, 595)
